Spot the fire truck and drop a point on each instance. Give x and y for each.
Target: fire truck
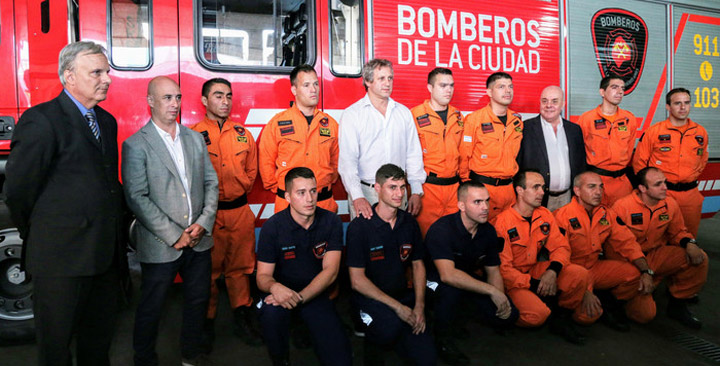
(654, 44)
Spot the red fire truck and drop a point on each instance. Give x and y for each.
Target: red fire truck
(656, 45)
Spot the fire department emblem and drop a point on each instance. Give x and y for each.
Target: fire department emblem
(620, 40)
(320, 249)
(545, 228)
(240, 130)
(405, 251)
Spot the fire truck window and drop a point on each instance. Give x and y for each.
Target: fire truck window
(346, 37)
(130, 30)
(257, 34)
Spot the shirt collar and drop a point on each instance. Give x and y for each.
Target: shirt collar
(164, 134)
(366, 102)
(377, 221)
(294, 224)
(546, 123)
(81, 107)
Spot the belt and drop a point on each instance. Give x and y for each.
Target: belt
(229, 205)
(432, 178)
(681, 187)
(366, 183)
(324, 194)
(489, 180)
(557, 193)
(607, 173)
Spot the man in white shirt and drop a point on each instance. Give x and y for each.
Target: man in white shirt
(554, 146)
(375, 131)
(171, 186)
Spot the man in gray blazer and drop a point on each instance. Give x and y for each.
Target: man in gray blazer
(172, 188)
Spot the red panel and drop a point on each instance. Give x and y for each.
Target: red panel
(8, 99)
(518, 37)
(43, 49)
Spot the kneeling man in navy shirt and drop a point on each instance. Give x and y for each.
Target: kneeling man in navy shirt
(381, 251)
(298, 259)
(464, 249)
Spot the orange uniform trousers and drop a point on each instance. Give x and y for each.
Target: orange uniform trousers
(690, 203)
(623, 279)
(437, 201)
(233, 254)
(572, 282)
(501, 198)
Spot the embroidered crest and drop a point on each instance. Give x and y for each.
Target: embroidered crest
(320, 249)
(325, 132)
(405, 250)
(240, 130)
(324, 122)
(664, 217)
(545, 228)
(700, 139)
(242, 138)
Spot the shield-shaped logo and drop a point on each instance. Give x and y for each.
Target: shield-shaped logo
(620, 39)
(545, 228)
(405, 250)
(324, 122)
(240, 130)
(320, 249)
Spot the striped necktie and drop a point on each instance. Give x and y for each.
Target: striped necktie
(90, 117)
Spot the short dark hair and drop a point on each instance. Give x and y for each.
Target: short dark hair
(438, 71)
(209, 84)
(495, 76)
(520, 177)
(675, 91)
(465, 186)
(389, 171)
(642, 175)
(298, 69)
(294, 173)
(604, 82)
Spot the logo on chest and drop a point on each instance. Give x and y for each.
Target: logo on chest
(513, 235)
(423, 120)
(575, 223)
(377, 253)
(288, 252)
(545, 228)
(284, 131)
(325, 132)
(320, 249)
(636, 219)
(487, 128)
(405, 250)
(600, 124)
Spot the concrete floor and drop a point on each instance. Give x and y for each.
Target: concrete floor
(651, 344)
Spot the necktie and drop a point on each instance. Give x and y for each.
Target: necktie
(93, 124)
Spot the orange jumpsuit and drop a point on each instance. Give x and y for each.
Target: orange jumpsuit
(441, 158)
(529, 250)
(588, 237)
(681, 153)
(609, 143)
(489, 149)
(233, 153)
(288, 142)
(661, 233)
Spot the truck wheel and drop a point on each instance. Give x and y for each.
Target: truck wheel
(17, 323)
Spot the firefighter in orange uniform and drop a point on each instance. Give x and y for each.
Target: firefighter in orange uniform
(301, 136)
(535, 261)
(678, 147)
(491, 142)
(233, 153)
(671, 250)
(609, 134)
(589, 227)
(440, 128)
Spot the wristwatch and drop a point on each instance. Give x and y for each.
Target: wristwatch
(648, 271)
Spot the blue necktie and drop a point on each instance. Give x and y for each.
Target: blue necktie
(93, 125)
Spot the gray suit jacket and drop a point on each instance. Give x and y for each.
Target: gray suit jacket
(155, 193)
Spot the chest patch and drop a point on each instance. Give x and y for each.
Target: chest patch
(636, 219)
(459, 119)
(288, 252)
(206, 137)
(664, 139)
(405, 251)
(600, 124)
(700, 139)
(285, 123)
(664, 217)
(240, 130)
(377, 253)
(700, 151)
(320, 249)
(545, 228)
(575, 223)
(604, 222)
(284, 131)
(242, 139)
(424, 120)
(665, 148)
(487, 128)
(324, 122)
(518, 129)
(513, 235)
(325, 132)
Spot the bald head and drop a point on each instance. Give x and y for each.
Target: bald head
(164, 99)
(552, 101)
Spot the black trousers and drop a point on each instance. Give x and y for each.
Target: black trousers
(194, 268)
(84, 306)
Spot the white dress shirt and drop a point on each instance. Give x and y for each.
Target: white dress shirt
(558, 156)
(175, 148)
(368, 140)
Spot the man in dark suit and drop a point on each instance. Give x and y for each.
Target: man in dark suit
(64, 196)
(171, 186)
(554, 146)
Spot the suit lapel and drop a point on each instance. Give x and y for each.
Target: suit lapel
(541, 134)
(77, 120)
(157, 144)
(187, 151)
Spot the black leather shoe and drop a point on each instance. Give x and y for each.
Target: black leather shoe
(563, 326)
(677, 309)
(449, 353)
(244, 328)
(615, 320)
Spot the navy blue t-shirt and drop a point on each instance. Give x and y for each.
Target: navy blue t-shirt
(296, 252)
(385, 252)
(447, 238)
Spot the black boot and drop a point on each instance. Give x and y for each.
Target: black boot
(613, 312)
(677, 309)
(207, 338)
(561, 324)
(449, 352)
(283, 360)
(244, 328)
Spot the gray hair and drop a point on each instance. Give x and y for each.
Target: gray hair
(368, 70)
(66, 60)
